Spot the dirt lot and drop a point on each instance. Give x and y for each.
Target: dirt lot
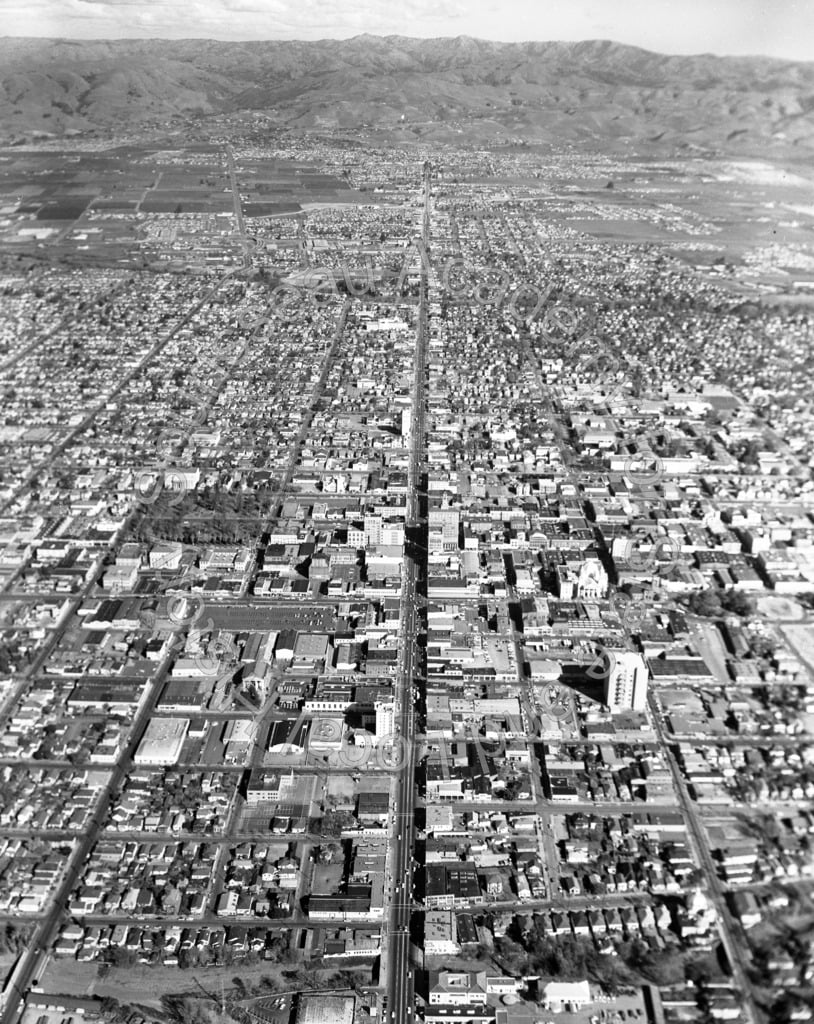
(341, 789)
(145, 985)
(801, 641)
(780, 608)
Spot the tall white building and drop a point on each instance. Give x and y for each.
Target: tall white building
(625, 681)
(385, 718)
(443, 529)
(373, 530)
(379, 530)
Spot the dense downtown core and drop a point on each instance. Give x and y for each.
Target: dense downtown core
(406, 574)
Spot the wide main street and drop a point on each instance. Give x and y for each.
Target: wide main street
(407, 516)
(399, 980)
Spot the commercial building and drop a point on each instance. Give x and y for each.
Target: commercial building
(444, 524)
(441, 933)
(385, 718)
(162, 741)
(625, 681)
(566, 995)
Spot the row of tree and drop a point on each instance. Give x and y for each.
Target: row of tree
(715, 602)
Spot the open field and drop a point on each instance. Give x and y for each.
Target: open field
(780, 608)
(801, 640)
(145, 985)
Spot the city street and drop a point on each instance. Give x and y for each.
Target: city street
(399, 973)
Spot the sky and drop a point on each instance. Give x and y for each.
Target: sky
(778, 28)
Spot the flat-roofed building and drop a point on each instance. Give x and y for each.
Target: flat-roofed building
(162, 741)
(561, 995)
(441, 933)
(311, 646)
(385, 718)
(326, 733)
(625, 681)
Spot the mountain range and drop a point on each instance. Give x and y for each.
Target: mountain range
(593, 95)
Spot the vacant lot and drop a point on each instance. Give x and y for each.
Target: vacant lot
(780, 608)
(801, 641)
(146, 985)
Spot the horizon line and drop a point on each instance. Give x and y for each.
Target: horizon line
(373, 35)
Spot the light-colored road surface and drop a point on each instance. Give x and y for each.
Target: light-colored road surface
(399, 983)
(35, 957)
(239, 222)
(732, 937)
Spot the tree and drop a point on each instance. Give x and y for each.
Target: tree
(661, 967)
(511, 789)
(738, 603)
(187, 958)
(79, 757)
(123, 957)
(702, 969)
(13, 938)
(335, 821)
(113, 1010)
(191, 1011)
(278, 950)
(511, 955)
(761, 647)
(705, 603)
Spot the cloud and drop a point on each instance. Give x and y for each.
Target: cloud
(783, 28)
(127, 3)
(304, 12)
(254, 7)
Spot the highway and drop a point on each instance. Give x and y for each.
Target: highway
(399, 981)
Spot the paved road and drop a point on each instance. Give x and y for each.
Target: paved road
(231, 830)
(544, 807)
(210, 920)
(121, 384)
(732, 937)
(593, 901)
(295, 448)
(11, 700)
(241, 226)
(36, 955)
(399, 975)
(39, 338)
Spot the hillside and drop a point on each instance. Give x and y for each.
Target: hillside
(592, 94)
